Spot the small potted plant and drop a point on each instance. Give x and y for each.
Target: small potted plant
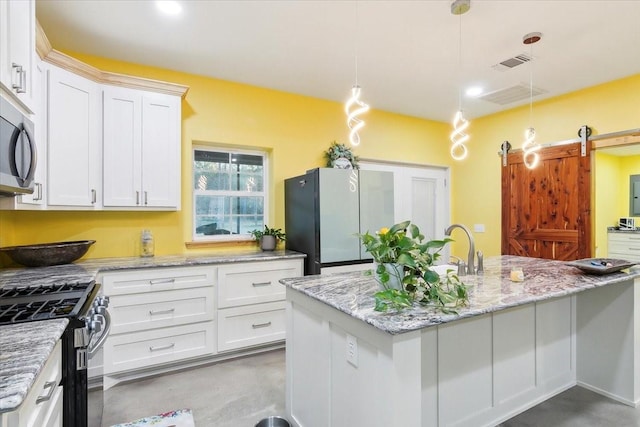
(403, 267)
(341, 157)
(268, 238)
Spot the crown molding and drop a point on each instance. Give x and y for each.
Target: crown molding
(48, 54)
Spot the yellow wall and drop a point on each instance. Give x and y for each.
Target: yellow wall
(605, 180)
(606, 108)
(297, 129)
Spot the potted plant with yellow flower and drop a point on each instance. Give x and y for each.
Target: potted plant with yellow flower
(403, 261)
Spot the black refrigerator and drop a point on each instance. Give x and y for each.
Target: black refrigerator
(326, 208)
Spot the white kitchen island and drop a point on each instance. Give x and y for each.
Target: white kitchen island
(515, 345)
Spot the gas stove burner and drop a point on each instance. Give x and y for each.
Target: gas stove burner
(20, 291)
(42, 302)
(38, 310)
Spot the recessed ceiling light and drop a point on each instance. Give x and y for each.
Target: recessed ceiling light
(473, 91)
(169, 7)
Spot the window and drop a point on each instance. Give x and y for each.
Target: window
(229, 193)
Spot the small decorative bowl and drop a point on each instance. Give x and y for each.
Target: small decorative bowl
(46, 254)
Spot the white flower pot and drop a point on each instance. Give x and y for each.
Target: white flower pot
(396, 273)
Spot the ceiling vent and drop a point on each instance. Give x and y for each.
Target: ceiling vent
(510, 63)
(512, 94)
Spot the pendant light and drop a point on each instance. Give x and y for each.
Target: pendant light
(458, 137)
(354, 107)
(530, 148)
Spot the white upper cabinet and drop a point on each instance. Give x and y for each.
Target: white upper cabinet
(37, 199)
(141, 149)
(75, 140)
(18, 50)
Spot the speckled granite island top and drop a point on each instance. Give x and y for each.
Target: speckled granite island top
(352, 293)
(88, 270)
(24, 349)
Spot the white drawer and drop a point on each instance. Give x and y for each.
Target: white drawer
(251, 283)
(625, 237)
(46, 389)
(250, 325)
(143, 349)
(624, 246)
(157, 279)
(130, 313)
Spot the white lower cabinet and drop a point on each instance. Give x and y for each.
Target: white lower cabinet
(42, 407)
(251, 308)
(244, 326)
(147, 348)
(159, 315)
(166, 318)
(624, 246)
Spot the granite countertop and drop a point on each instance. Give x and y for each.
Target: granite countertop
(617, 230)
(24, 349)
(89, 269)
(352, 293)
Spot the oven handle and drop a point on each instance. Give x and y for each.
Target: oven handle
(105, 332)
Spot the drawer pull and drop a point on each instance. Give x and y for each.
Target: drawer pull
(256, 284)
(170, 310)
(260, 325)
(51, 385)
(160, 281)
(634, 249)
(163, 347)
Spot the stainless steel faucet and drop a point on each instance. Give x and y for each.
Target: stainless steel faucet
(471, 269)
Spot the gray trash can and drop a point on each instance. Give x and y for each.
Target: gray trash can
(273, 422)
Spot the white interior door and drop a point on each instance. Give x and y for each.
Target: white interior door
(421, 195)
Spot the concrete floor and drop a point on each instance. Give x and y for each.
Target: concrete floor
(240, 392)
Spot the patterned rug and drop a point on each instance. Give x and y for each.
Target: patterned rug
(179, 418)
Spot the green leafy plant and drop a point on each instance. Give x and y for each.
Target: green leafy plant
(276, 232)
(337, 151)
(404, 245)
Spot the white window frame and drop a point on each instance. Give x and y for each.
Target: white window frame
(266, 180)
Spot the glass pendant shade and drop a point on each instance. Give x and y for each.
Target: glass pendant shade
(458, 137)
(354, 107)
(530, 149)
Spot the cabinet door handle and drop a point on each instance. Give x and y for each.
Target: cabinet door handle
(145, 198)
(170, 310)
(22, 78)
(160, 281)
(260, 325)
(162, 347)
(51, 385)
(137, 197)
(257, 284)
(93, 196)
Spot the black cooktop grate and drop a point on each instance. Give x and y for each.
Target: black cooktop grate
(57, 288)
(41, 302)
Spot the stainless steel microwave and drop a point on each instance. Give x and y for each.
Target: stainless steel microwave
(17, 151)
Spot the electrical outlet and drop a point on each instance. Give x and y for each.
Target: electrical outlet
(478, 228)
(352, 350)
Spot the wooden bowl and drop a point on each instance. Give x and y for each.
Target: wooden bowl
(46, 254)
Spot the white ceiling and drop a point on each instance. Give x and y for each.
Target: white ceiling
(407, 51)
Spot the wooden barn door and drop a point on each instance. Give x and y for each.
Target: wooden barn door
(546, 212)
